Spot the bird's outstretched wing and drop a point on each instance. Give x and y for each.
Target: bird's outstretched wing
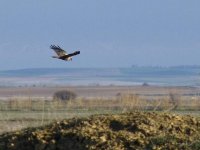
(74, 53)
(70, 55)
(59, 51)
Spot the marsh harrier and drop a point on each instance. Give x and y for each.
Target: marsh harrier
(62, 54)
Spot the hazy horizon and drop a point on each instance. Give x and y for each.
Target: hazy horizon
(133, 66)
(178, 76)
(109, 34)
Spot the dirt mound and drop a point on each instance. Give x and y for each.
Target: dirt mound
(137, 130)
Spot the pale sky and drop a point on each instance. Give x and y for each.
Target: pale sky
(109, 33)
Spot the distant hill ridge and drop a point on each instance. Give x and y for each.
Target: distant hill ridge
(135, 70)
(173, 76)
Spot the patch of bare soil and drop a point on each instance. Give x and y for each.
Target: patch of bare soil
(136, 130)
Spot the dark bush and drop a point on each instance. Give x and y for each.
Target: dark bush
(145, 84)
(64, 95)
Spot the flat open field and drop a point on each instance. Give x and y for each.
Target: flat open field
(96, 91)
(27, 107)
(32, 106)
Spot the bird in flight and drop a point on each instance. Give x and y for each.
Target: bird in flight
(62, 54)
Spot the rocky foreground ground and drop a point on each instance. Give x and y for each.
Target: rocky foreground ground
(136, 130)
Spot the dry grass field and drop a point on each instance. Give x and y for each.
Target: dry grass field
(27, 109)
(22, 110)
(95, 91)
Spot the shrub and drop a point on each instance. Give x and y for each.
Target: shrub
(64, 95)
(174, 99)
(145, 84)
